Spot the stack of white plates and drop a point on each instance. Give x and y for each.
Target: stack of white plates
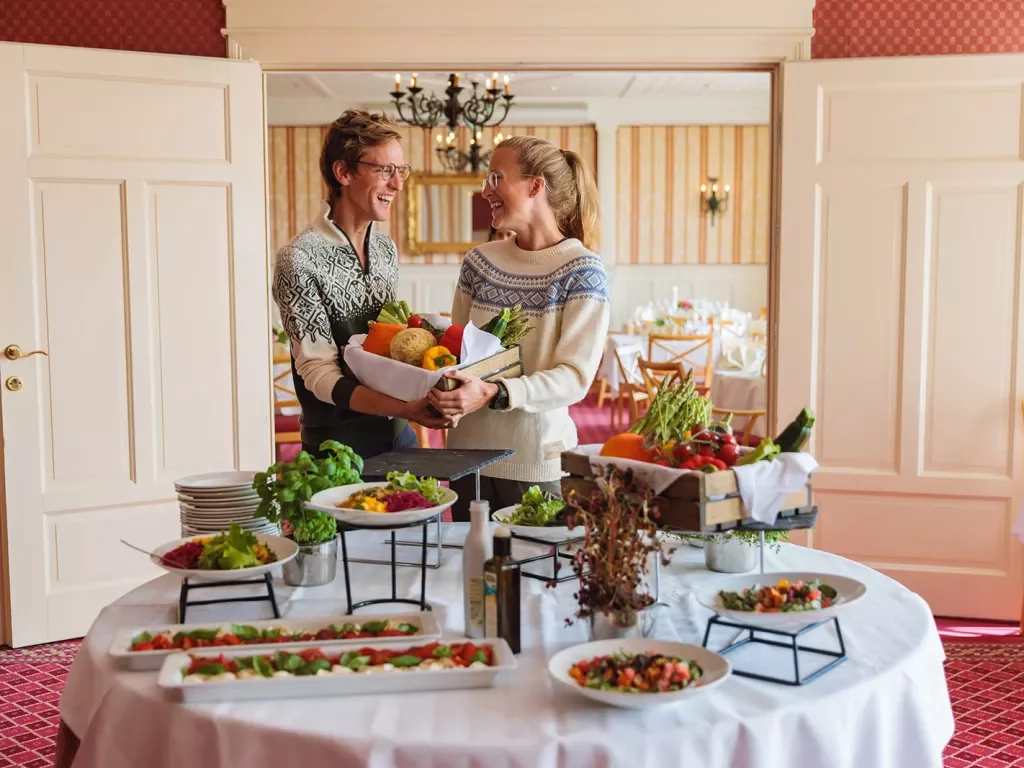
(211, 503)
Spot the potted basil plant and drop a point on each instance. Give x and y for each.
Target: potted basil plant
(284, 490)
(735, 551)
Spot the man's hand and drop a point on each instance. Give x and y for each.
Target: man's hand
(474, 394)
(422, 412)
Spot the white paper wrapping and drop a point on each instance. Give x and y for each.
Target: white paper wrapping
(408, 382)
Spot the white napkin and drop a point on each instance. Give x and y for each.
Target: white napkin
(741, 358)
(437, 321)
(477, 345)
(764, 485)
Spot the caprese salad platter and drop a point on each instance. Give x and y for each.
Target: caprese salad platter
(146, 648)
(236, 674)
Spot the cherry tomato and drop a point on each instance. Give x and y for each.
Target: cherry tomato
(142, 647)
(707, 451)
(415, 321)
(729, 453)
(683, 452)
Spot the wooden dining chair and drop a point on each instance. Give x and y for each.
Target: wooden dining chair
(669, 346)
(631, 393)
(286, 426)
(655, 375)
(745, 435)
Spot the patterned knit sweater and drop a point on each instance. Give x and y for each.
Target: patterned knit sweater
(324, 297)
(564, 292)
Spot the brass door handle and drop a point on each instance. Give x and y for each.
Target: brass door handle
(13, 352)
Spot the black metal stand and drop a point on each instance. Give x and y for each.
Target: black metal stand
(186, 587)
(838, 657)
(441, 464)
(345, 560)
(554, 555)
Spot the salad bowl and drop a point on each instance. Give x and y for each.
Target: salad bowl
(328, 501)
(848, 591)
(553, 533)
(284, 550)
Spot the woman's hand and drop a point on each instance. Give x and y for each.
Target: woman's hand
(474, 394)
(422, 412)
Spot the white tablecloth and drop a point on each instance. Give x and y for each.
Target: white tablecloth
(887, 706)
(742, 392)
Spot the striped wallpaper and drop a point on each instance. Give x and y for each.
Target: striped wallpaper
(296, 188)
(659, 172)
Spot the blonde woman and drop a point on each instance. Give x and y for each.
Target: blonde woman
(548, 198)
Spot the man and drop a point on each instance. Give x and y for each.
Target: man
(335, 277)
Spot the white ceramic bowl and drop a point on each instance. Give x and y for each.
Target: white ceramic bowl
(285, 549)
(849, 591)
(715, 667)
(327, 501)
(544, 533)
(216, 482)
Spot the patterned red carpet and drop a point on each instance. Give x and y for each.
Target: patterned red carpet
(986, 683)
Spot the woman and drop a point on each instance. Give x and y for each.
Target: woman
(548, 198)
(336, 276)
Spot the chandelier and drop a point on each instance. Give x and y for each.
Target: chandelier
(414, 107)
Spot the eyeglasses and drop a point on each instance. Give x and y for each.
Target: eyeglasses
(491, 179)
(390, 169)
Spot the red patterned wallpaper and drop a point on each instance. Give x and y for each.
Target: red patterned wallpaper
(190, 27)
(862, 28)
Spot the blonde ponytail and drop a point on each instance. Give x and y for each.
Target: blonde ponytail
(569, 183)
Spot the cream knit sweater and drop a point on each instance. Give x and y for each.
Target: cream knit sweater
(564, 292)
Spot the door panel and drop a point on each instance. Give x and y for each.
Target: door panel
(899, 316)
(137, 261)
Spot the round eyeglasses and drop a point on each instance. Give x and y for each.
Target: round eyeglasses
(491, 179)
(390, 169)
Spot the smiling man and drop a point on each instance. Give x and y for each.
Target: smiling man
(334, 278)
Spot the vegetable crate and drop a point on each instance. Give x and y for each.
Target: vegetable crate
(699, 502)
(507, 364)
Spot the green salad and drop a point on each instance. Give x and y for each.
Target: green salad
(537, 509)
(429, 487)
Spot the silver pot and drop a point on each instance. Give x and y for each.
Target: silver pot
(621, 625)
(729, 555)
(313, 566)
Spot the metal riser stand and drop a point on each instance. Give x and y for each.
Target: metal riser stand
(184, 603)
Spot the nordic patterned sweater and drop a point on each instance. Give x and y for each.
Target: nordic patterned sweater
(325, 297)
(564, 292)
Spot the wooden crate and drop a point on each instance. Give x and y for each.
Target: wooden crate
(507, 364)
(698, 502)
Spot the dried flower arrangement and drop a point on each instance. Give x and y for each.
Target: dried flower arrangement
(620, 535)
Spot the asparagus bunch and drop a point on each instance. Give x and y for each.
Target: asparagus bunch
(674, 409)
(517, 328)
(395, 313)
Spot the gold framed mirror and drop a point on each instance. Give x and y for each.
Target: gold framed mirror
(445, 213)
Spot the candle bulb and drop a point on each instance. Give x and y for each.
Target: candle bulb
(439, 138)
(727, 189)
(703, 188)
(398, 81)
(494, 77)
(487, 85)
(506, 86)
(414, 76)
(456, 83)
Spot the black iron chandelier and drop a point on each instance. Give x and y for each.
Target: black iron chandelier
(477, 113)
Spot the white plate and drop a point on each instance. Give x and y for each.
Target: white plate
(242, 513)
(285, 549)
(326, 501)
(123, 655)
(170, 678)
(215, 481)
(552, 533)
(850, 590)
(218, 528)
(247, 501)
(715, 667)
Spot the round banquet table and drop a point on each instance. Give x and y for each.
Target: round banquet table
(886, 706)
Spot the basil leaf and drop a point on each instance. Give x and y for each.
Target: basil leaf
(409, 629)
(178, 637)
(405, 661)
(443, 651)
(478, 656)
(208, 670)
(347, 657)
(357, 661)
(288, 661)
(373, 627)
(314, 666)
(145, 637)
(245, 632)
(203, 634)
(262, 666)
(245, 662)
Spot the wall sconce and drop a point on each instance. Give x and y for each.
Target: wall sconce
(714, 203)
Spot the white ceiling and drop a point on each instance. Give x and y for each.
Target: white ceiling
(526, 86)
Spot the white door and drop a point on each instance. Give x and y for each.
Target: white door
(133, 255)
(900, 315)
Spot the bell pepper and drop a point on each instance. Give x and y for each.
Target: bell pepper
(436, 358)
(452, 339)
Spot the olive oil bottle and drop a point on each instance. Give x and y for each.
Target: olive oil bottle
(501, 591)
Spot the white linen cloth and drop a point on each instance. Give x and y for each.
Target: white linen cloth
(887, 706)
(764, 485)
(407, 382)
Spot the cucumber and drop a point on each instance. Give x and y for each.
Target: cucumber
(796, 433)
